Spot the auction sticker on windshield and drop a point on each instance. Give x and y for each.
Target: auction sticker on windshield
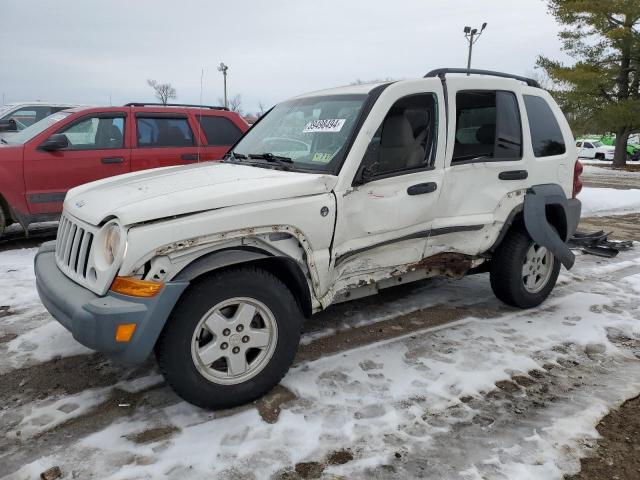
(324, 125)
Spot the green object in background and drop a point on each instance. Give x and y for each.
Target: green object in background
(632, 148)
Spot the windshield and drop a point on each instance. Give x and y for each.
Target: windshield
(597, 144)
(28, 133)
(313, 132)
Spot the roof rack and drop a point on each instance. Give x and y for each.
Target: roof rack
(441, 72)
(147, 104)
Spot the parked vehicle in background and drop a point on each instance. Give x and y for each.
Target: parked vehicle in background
(633, 147)
(331, 196)
(42, 162)
(594, 149)
(15, 117)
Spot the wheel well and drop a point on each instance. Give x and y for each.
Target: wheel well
(285, 269)
(557, 218)
(4, 206)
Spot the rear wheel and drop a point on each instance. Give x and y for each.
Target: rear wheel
(523, 273)
(231, 338)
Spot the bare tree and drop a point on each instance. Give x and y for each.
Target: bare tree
(235, 103)
(261, 110)
(163, 91)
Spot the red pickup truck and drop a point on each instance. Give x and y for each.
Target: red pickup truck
(78, 145)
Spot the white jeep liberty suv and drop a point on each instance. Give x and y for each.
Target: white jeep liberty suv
(331, 196)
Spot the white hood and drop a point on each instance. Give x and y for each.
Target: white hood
(164, 192)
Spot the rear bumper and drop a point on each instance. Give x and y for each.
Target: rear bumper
(573, 211)
(93, 320)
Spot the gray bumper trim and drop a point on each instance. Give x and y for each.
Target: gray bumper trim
(93, 320)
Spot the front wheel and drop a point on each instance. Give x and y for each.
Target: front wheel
(231, 338)
(523, 273)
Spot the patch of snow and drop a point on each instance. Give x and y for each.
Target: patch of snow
(597, 202)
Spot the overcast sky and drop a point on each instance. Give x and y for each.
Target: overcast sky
(87, 51)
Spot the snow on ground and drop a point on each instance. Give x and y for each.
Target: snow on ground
(593, 169)
(598, 202)
(425, 404)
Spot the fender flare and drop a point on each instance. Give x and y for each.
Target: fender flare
(289, 270)
(536, 200)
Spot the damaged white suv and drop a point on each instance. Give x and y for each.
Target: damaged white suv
(331, 196)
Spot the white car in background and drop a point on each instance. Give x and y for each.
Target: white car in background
(15, 117)
(594, 149)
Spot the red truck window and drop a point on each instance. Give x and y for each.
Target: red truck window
(220, 131)
(164, 132)
(96, 133)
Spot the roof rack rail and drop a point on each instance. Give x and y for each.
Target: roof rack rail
(441, 72)
(148, 104)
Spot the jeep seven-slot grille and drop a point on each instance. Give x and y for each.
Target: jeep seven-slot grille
(73, 247)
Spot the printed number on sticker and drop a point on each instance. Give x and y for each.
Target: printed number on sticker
(325, 125)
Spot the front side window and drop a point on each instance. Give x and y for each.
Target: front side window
(488, 127)
(35, 129)
(312, 132)
(546, 136)
(95, 133)
(164, 132)
(405, 141)
(27, 116)
(220, 131)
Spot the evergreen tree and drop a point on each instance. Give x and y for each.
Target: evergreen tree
(602, 88)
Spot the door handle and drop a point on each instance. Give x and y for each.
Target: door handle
(422, 188)
(108, 160)
(513, 175)
(190, 157)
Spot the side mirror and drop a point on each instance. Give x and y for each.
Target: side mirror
(57, 141)
(369, 166)
(8, 125)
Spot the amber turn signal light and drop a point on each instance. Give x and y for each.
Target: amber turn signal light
(135, 288)
(124, 332)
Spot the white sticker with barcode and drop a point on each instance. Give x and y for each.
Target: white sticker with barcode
(324, 125)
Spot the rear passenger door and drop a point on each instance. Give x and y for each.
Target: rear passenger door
(485, 162)
(220, 134)
(164, 139)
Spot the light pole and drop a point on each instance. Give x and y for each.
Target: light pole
(472, 36)
(223, 68)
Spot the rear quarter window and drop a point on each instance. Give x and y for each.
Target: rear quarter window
(220, 131)
(546, 136)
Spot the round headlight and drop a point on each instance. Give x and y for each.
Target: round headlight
(112, 239)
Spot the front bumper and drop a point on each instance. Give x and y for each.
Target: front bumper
(93, 319)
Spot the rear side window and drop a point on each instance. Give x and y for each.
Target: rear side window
(164, 132)
(488, 127)
(546, 136)
(220, 131)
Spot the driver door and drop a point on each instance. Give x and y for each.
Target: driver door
(98, 148)
(384, 221)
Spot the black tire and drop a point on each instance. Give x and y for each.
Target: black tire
(174, 347)
(599, 156)
(506, 272)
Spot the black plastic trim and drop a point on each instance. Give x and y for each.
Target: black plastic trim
(440, 72)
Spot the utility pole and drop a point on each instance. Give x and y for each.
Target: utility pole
(472, 36)
(223, 68)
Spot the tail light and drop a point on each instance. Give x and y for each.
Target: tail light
(577, 182)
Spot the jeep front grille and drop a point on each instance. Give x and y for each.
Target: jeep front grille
(73, 248)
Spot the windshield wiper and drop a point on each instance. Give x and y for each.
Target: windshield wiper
(283, 162)
(4, 141)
